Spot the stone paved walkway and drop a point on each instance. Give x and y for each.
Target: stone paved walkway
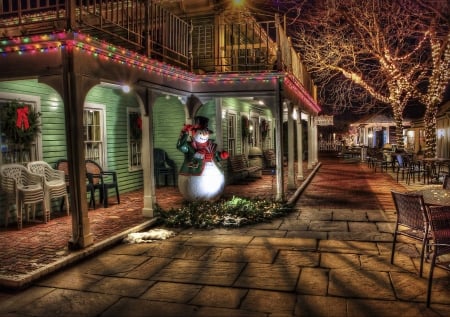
(328, 258)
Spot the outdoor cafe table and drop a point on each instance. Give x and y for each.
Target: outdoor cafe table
(433, 166)
(436, 159)
(434, 195)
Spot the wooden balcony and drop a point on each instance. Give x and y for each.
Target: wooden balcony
(198, 44)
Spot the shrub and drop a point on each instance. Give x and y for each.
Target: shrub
(234, 212)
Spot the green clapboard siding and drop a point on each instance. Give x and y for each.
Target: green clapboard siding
(168, 120)
(116, 104)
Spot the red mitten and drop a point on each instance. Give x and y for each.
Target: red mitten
(224, 155)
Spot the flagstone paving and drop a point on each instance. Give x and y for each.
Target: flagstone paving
(330, 257)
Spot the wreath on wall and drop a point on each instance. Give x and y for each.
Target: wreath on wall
(245, 124)
(19, 123)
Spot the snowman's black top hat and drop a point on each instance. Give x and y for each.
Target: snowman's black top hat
(201, 123)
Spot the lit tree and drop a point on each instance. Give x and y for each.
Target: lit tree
(438, 71)
(366, 54)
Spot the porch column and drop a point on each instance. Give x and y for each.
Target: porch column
(219, 118)
(147, 149)
(69, 86)
(278, 117)
(310, 142)
(75, 88)
(290, 138)
(299, 146)
(315, 141)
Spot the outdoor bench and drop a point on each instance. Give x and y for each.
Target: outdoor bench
(239, 166)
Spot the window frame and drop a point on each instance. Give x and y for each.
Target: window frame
(131, 166)
(232, 132)
(101, 159)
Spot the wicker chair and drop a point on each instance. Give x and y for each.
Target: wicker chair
(54, 182)
(25, 190)
(102, 180)
(411, 221)
(439, 218)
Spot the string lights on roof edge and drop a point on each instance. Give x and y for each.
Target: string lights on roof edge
(92, 46)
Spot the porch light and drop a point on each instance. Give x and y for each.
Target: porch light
(125, 88)
(238, 3)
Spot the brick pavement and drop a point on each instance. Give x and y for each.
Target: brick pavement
(328, 258)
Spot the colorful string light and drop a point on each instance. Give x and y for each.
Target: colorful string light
(106, 51)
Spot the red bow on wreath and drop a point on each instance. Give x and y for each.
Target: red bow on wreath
(22, 118)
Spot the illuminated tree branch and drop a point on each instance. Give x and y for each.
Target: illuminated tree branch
(366, 55)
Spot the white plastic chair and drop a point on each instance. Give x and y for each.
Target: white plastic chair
(54, 182)
(24, 189)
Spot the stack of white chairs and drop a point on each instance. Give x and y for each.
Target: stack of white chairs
(54, 182)
(23, 189)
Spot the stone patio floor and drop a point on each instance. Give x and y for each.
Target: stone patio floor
(329, 257)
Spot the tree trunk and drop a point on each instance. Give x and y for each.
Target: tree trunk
(398, 118)
(430, 130)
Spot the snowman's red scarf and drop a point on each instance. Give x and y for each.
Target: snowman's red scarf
(207, 149)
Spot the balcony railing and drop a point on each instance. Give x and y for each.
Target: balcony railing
(240, 47)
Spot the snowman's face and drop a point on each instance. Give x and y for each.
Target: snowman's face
(201, 136)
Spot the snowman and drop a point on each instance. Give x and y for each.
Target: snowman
(200, 177)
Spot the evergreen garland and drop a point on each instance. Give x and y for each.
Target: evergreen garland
(19, 123)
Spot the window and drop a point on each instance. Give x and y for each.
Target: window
(232, 123)
(134, 138)
(20, 110)
(93, 123)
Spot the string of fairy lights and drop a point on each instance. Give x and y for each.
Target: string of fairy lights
(46, 43)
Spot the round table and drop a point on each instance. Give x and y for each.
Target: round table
(434, 196)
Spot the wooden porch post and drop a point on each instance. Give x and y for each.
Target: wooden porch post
(148, 98)
(74, 92)
(315, 142)
(290, 139)
(278, 116)
(299, 146)
(310, 142)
